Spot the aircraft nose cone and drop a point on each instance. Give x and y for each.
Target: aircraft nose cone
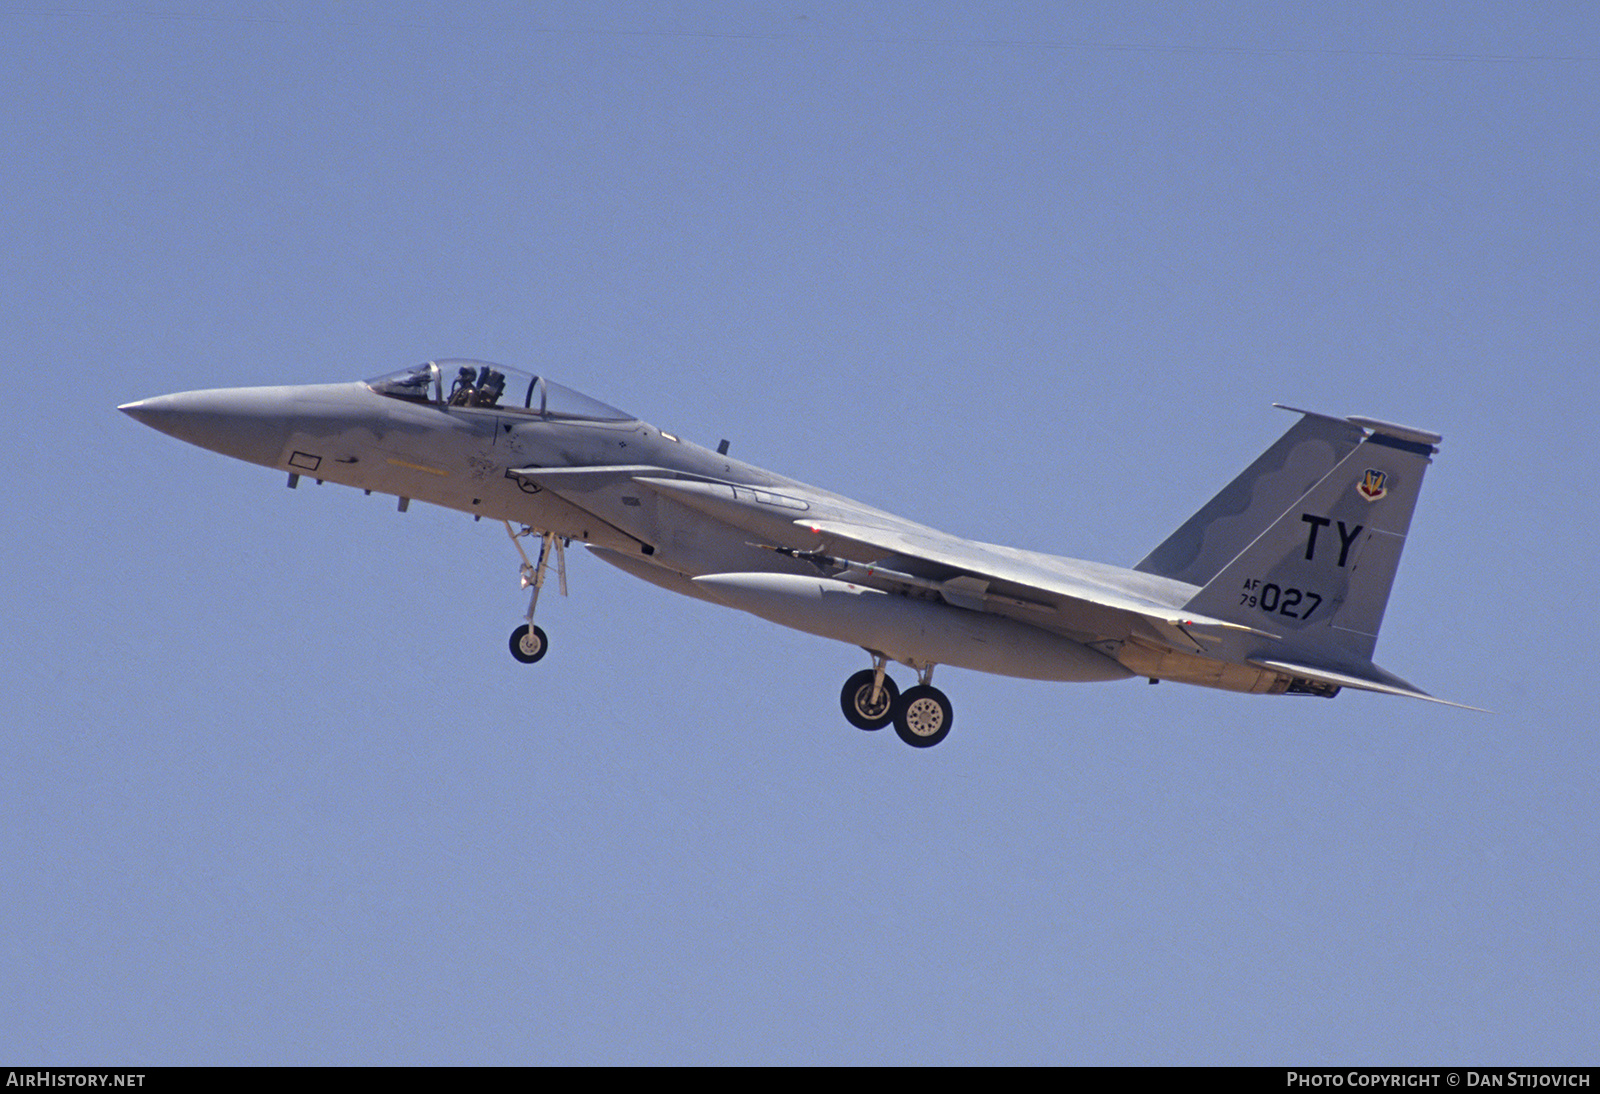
(150, 412)
(246, 423)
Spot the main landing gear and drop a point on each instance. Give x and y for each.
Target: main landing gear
(921, 715)
(529, 642)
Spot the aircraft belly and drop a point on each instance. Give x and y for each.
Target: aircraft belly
(632, 563)
(1209, 672)
(912, 631)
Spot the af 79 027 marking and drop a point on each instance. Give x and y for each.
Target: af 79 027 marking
(1270, 598)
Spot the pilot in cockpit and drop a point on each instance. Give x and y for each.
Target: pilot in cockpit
(461, 392)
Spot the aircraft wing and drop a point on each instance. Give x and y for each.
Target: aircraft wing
(1056, 595)
(1013, 583)
(1009, 582)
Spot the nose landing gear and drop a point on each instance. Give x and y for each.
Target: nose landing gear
(529, 642)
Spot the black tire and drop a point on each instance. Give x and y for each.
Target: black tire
(529, 646)
(923, 716)
(856, 701)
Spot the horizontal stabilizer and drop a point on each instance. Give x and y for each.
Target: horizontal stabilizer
(1374, 680)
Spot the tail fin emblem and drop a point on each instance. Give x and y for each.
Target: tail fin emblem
(1372, 485)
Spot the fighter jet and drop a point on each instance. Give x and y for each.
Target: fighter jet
(1276, 586)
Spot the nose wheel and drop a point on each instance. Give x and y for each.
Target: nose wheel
(528, 643)
(922, 715)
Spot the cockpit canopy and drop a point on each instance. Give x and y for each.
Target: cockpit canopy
(480, 384)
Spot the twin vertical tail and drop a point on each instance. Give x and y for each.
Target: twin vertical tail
(1320, 575)
(1311, 562)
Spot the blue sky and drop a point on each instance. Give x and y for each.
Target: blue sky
(274, 791)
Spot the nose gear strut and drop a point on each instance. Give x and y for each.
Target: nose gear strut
(528, 642)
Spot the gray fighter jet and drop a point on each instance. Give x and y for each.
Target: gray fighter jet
(1276, 586)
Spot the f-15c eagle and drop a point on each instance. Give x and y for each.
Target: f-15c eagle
(1276, 586)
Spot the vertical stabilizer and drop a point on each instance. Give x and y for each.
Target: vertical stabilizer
(1320, 575)
(1248, 505)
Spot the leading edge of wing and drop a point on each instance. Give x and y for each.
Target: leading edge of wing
(1377, 680)
(1079, 605)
